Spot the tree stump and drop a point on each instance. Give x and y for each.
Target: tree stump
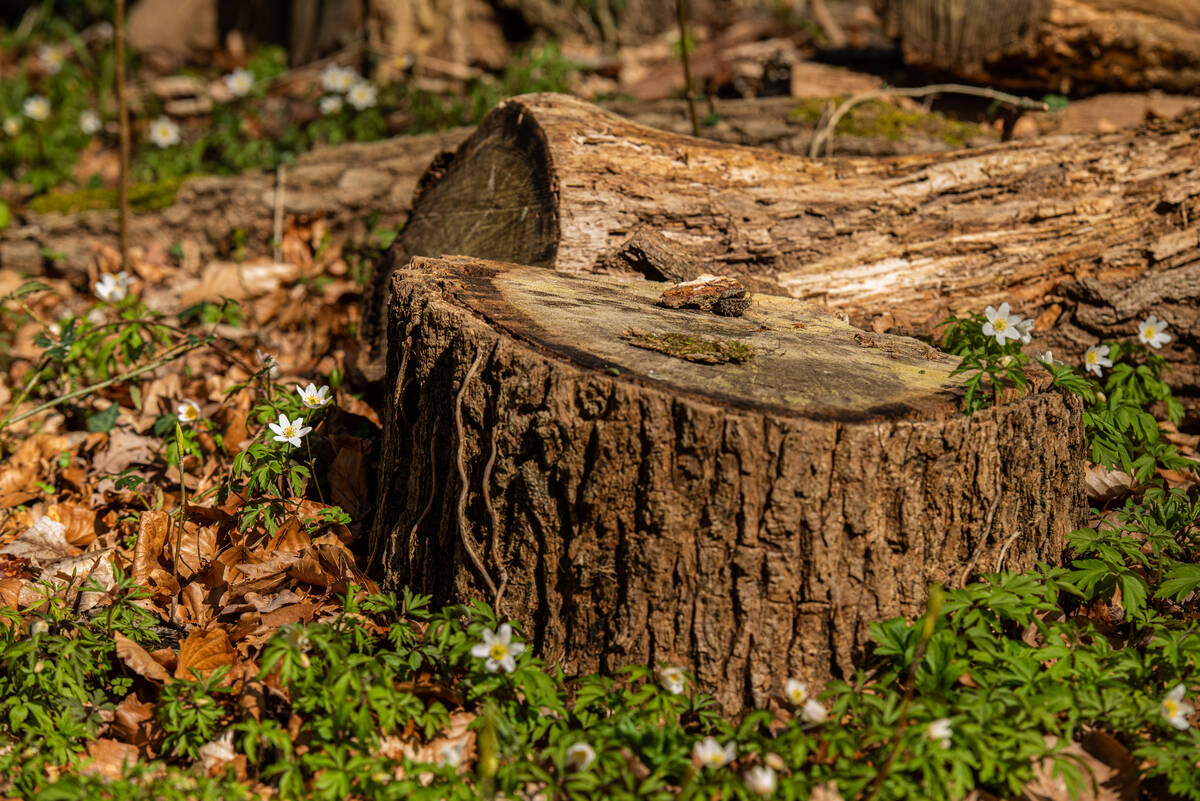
(1088, 233)
(738, 495)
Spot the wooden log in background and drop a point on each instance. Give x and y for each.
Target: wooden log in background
(1085, 233)
(1063, 46)
(747, 520)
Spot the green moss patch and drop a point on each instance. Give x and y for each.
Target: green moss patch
(691, 348)
(880, 119)
(142, 197)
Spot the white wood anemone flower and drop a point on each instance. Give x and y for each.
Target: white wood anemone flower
(498, 650)
(1001, 324)
(36, 108)
(1026, 329)
(12, 126)
(330, 104)
(940, 732)
(312, 397)
(112, 288)
(814, 711)
(289, 431)
(1175, 710)
(239, 82)
(338, 79)
(164, 132)
(188, 412)
(269, 361)
(361, 95)
(1048, 358)
(672, 679)
(580, 756)
(760, 780)
(796, 691)
(1095, 358)
(52, 58)
(711, 754)
(90, 122)
(1152, 332)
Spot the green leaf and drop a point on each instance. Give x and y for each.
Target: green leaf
(1180, 582)
(102, 422)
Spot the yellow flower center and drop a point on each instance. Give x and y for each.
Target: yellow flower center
(189, 412)
(715, 758)
(1000, 324)
(798, 696)
(498, 651)
(289, 431)
(1171, 708)
(1148, 332)
(313, 400)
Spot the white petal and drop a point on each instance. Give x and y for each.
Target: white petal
(505, 633)
(480, 650)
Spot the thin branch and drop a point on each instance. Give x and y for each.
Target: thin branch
(145, 368)
(825, 134)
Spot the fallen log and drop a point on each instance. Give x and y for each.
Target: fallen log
(1088, 233)
(738, 495)
(1065, 46)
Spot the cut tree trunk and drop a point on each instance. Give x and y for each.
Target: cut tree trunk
(1061, 46)
(1085, 233)
(549, 441)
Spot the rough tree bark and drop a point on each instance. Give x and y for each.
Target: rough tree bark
(1053, 45)
(1085, 233)
(747, 520)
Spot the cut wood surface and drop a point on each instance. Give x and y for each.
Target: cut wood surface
(746, 520)
(1055, 45)
(1085, 233)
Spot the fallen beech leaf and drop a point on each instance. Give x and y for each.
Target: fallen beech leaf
(68, 576)
(1109, 772)
(197, 547)
(348, 479)
(43, 542)
(125, 449)
(138, 659)
(10, 591)
(455, 746)
(108, 758)
(133, 720)
(80, 522)
(1105, 485)
(152, 536)
(204, 651)
(239, 281)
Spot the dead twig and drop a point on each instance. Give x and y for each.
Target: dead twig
(987, 530)
(1004, 549)
(497, 557)
(681, 14)
(824, 134)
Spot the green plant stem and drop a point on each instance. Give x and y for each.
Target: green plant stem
(134, 373)
(24, 393)
(182, 512)
(312, 467)
(681, 13)
(933, 608)
(123, 124)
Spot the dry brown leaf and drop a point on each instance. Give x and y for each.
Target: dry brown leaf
(348, 480)
(124, 449)
(133, 719)
(204, 651)
(152, 536)
(240, 281)
(455, 746)
(197, 547)
(1109, 772)
(138, 659)
(108, 758)
(42, 543)
(10, 591)
(68, 576)
(1104, 485)
(79, 521)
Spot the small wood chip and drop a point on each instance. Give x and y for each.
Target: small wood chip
(719, 294)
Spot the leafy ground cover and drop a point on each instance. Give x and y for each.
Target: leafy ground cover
(58, 118)
(184, 614)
